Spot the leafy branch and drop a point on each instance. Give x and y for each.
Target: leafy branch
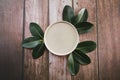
(36, 42)
(79, 20)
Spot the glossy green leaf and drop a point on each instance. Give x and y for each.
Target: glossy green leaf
(38, 51)
(84, 27)
(73, 66)
(31, 42)
(81, 57)
(86, 46)
(81, 17)
(36, 30)
(68, 13)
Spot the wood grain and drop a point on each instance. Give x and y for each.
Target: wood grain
(57, 65)
(36, 11)
(109, 39)
(15, 17)
(88, 72)
(11, 25)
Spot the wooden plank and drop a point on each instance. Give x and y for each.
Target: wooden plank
(36, 11)
(88, 72)
(57, 65)
(11, 25)
(109, 39)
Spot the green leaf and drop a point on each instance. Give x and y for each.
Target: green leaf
(68, 13)
(81, 58)
(73, 66)
(86, 46)
(81, 17)
(84, 27)
(38, 51)
(36, 30)
(31, 42)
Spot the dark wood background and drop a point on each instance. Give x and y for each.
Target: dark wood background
(16, 63)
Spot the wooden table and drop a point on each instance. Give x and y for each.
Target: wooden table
(16, 63)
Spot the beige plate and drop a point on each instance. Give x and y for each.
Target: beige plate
(61, 38)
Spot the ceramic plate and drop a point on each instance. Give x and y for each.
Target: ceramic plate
(61, 38)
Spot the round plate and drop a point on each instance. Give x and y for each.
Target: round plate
(61, 38)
